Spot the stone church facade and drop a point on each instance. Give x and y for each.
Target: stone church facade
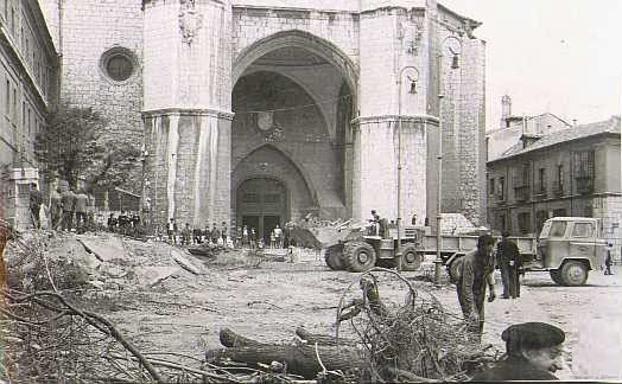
(263, 111)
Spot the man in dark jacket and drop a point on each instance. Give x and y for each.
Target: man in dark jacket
(508, 259)
(68, 199)
(533, 350)
(475, 275)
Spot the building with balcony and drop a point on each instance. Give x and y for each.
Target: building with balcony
(571, 172)
(28, 85)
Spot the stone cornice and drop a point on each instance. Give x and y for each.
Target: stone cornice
(189, 112)
(427, 119)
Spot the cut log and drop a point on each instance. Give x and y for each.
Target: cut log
(327, 340)
(300, 360)
(228, 338)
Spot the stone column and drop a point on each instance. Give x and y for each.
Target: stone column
(394, 39)
(188, 110)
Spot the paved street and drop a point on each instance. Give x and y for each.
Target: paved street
(591, 317)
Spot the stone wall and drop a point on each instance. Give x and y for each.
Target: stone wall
(253, 23)
(89, 29)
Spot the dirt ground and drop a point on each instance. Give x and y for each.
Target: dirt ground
(268, 300)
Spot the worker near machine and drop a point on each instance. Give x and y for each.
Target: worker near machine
(508, 260)
(533, 350)
(475, 274)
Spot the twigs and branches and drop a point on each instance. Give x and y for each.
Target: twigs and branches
(415, 340)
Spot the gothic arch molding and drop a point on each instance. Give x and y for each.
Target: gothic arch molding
(306, 177)
(297, 38)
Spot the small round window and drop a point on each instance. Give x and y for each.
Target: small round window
(118, 64)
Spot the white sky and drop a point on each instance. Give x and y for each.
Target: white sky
(558, 56)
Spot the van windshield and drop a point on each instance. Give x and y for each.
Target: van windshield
(554, 229)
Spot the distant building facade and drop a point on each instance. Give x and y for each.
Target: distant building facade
(572, 172)
(512, 127)
(28, 86)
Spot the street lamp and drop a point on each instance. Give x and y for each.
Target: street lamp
(412, 90)
(454, 46)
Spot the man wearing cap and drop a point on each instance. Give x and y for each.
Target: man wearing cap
(533, 352)
(475, 274)
(508, 259)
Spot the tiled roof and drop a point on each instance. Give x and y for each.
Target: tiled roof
(608, 126)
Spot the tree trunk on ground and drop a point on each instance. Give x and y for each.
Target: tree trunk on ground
(300, 360)
(320, 339)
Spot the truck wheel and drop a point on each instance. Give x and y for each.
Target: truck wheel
(334, 258)
(556, 276)
(411, 259)
(574, 273)
(359, 256)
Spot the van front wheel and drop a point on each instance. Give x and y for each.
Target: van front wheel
(574, 273)
(556, 276)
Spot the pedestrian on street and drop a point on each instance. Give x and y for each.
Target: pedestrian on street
(245, 237)
(278, 236)
(508, 260)
(171, 231)
(215, 234)
(36, 199)
(90, 210)
(196, 235)
(608, 260)
(475, 274)
(186, 235)
(112, 223)
(533, 352)
(56, 208)
(80, 209)
(224, 232)
(68, 198)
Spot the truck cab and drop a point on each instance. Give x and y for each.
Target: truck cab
(569, 247)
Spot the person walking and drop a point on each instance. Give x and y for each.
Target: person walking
(278, 237)
(186, 235)
(90, 210)
(35, 201)
(171, 231)
(214, 234)
(56, 208)
(224, 232)
(68, 200)
(608, 260)
(508, 260)
(475, 275)
(81, 202)
(533, 352)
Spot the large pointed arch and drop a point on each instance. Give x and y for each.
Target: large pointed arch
(297, 38)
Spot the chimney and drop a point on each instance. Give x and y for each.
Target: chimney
(506, 110)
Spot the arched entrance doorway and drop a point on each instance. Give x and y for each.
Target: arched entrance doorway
(262, 203)
(293, 106)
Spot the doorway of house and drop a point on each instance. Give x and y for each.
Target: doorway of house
(261, 203)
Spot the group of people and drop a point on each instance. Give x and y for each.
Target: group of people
(239, 237)
(69, 209)
(127, 223)
(533, 349)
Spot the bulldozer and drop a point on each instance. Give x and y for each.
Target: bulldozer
(351, 247)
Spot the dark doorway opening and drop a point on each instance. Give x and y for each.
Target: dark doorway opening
(261, 204)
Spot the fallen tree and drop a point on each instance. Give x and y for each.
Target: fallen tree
(302, 359)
